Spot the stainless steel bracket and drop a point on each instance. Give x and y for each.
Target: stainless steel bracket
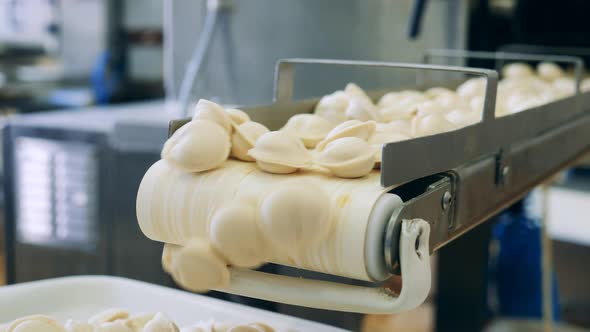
(503, 168)
(285, 76)
(435, 205)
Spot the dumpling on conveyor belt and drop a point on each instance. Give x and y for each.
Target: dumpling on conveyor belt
(310, 128)
(350, 128)
(210, 111)
(295, 216)
(235, 233)
(244, 138)
(549, 71)
(238, 116)
(187, 149)
(196, 266)
(348, 157)
(280, 152)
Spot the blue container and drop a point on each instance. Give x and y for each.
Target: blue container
(516, 268)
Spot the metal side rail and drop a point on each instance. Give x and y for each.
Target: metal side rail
(468, 195)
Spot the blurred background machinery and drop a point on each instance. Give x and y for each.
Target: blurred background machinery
(71, 176)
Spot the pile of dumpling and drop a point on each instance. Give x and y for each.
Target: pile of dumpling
(215, 134)
(413, 113)
(116, 320)
(522, 87)
(344, 135)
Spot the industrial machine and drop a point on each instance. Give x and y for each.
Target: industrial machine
(74, 176)
(454, 180)
(70, 197)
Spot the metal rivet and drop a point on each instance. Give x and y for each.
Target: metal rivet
(446, 200)
(505, 171)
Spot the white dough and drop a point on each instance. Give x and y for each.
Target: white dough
(517, 70)
(463, 118)
(237, 116)
(263, 327)
(146, 322)
(337, 102)
(176, 207)
(428, 107)
(109, 315)
(117, 326)
(450, 101)
(473, 87)
(35, 323)
(403, 127)
(280, 152)
(387, 133)
(295, 216)
(334, 116)
(245, 328)
(244, 138)
(437, 92)
(348, 157)
(476, 104)
(565, 86)
(549, 71)
(402, 97)
(221, 326)
(399, 112)
(383, 131)
(360, 109)
(78, 326)
(210, 111)
(310, 128)
(198, 268)
(160, 323)
(235, 234)
(138, 321)
(168, 253)
(350, 128)
(353, 90)
(431, 125)
(197, 146)
(332, 107)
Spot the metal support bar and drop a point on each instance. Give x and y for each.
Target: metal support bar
(285, 76)
(462, 294)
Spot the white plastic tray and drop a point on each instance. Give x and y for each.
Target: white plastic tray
(83, 296)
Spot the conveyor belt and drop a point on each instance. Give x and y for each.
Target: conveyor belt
(454, 180)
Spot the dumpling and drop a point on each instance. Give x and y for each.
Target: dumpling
(310, 128)
(280, 152)
(197, 146)
(348, 157)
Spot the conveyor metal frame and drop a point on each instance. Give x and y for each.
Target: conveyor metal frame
(471, 173)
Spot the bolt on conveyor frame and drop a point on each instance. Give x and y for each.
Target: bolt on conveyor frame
(456, 180)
